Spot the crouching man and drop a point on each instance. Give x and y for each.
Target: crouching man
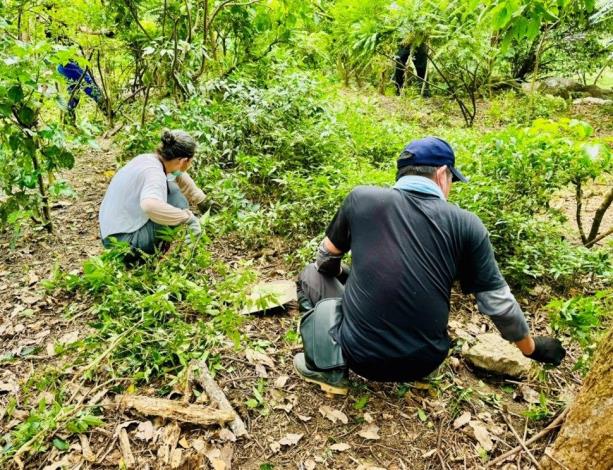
(386, 319)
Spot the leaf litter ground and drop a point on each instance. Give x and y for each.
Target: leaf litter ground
(454, 419)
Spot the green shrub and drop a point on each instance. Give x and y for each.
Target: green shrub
(584, 318)
(514, 175)
(513, 108)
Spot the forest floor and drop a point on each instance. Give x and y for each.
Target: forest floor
(378, 425)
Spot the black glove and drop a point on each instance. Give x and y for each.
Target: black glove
(344, 274)
(547, 350)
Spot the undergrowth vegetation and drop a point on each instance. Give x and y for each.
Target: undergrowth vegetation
(286, 165)
(148, 323)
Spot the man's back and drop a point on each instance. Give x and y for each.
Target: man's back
(407, 249)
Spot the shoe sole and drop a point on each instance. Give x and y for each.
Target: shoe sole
(329, 389)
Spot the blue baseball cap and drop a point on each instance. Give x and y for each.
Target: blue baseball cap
(430, 151)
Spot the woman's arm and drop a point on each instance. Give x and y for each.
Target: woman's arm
(163, 213)
(193, 193)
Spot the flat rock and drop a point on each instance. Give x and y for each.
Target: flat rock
(279, 293)
(592, 101)
(496, 355)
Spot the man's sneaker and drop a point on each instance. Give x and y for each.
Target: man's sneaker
(331, 381)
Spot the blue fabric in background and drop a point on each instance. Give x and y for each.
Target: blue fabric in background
(72, 72)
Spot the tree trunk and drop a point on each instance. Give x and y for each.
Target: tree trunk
(586, 438)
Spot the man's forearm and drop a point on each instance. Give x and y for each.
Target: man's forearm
(503, 309)
(505, 312)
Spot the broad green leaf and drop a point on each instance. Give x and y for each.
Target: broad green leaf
(61, 444)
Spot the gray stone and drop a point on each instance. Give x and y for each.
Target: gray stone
(592, 101)
(494, 354)
(566, 88)
(558, 86)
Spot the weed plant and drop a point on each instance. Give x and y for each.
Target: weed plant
(149, 322)
(583, 318)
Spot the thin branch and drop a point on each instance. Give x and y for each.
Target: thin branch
(129, 97)
(579, 207)
(453, 92)
(414, 75)
(554, 424)
(107, 98)
(174, 60)
(600, 212)
(225, 4)
(255, 59)
(598, 238)
(77, 87)
(204, 35)
(189, 22)
(606, 65)
(134, 14)
(520, 440)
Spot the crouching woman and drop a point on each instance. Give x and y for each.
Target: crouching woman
(149, 193)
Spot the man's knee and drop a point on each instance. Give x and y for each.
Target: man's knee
(315, 286)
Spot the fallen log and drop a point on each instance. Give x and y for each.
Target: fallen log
(171, 409)
(205, 379)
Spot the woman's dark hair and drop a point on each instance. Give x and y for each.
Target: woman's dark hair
(176, 144)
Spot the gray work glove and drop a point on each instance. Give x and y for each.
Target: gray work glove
(193, 228)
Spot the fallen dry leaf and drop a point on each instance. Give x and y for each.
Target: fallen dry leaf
(170, 434)
(227, 435)
(304, 418)
(199, 445)
(32, 278)
(216, 459)
(290, 439)
(281, 381)
(275, 447)
(256, 357)
(333, 415)
(261, 371)
(10, 386)
(368, 418)
(481, 434)
(309, 464)
(287, 407)
(183, 442)
(86, 450)
(529, 394)
(340, 447)
(43, 334)
(176, 458)
(463, 419)
(144, 431)
(30, 299)
(69, 338)
(370, 432)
